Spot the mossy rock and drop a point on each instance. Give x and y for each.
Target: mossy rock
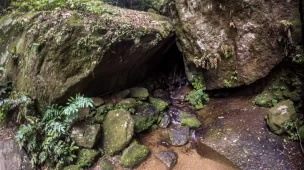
(73, 167)
(105, 164)
(86, 157)
(118, 130)
(127, 103)
(85, 135)
(279, 115)
(189, 120)
(159, 104)
(134, 155)
(144, 117)
(263, 100)
(76, 56)
(139, 92)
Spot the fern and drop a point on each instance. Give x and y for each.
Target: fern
(74, 105)
(49, 140)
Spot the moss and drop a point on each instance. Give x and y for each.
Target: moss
(198, 98)
(189, 120)
(139, 92)
(159, 104)
(263, 100)
(134, 155)
(301, 132)
(143, 122)
(75, 20)
(127, 103)
(86, 157)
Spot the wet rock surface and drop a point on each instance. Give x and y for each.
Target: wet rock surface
(179, 136)
(134, 155)
(169, 158)
(237, 129)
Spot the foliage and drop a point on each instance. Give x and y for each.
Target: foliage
(48, 138)
(15, 99)
(292, 129)
(228, 82)
(50, 5)
(136, 4)
(198, 98)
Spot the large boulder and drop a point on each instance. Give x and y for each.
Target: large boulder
(118, 130)
(280, 115)
(235, 42)
(53, 55)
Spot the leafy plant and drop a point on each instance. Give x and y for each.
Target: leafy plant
(48, 138)
(198, 98)
(228, 82)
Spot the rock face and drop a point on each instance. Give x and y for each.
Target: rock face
(85, 135)
(53, 55)
(282, 113)
(238, 41)
(118, 130)
(11, 157)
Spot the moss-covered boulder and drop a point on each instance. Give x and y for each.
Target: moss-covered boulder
(85, 135)
(118, 129)
(139, 92)
(127, 103)
(189, 120)
(134, 155)
(235, 42)
(263, 100)
(144, 117)
(86, 157)
(279, 115)
(159, 104)
(53, 55)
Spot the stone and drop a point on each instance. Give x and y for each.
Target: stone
(118, 130)
(139, 92)
(85, 135)
(105, 164)
(159, 104)
(169, 158)
(165, 121)
(189, 120)
(134, 155)
(282, 113)
(127, 103)
(86, 157)
(12, 157)
(84, 113)
(117, 97)
(144, 117)
(73, 167)
(227, 37)
(179, 136)
(97, 101)
(87, 54)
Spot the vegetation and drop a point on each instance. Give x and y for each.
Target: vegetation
(198, 98)
(50, 5)
(229, 82)
(47, 139)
